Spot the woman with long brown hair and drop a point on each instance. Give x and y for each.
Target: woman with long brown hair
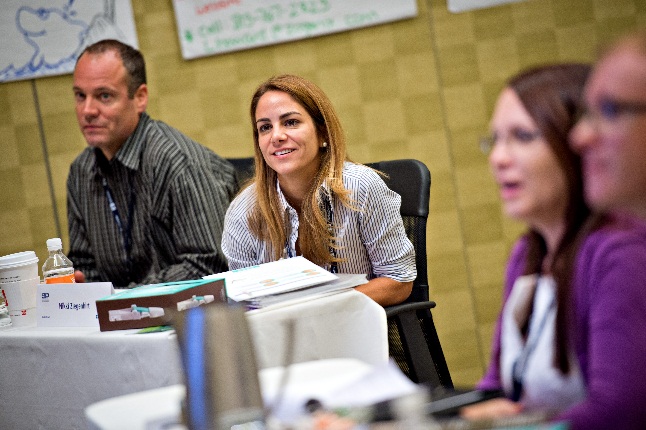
(308, 199)
(563, 339)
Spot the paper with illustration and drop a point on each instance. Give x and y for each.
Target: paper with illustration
(272, 278)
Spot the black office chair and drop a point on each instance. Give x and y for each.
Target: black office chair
(244, 168)
(412, 337)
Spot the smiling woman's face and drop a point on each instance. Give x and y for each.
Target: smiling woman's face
(532, 185)
(287, 137)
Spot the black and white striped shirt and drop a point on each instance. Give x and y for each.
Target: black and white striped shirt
(372, 238)
(179, 191)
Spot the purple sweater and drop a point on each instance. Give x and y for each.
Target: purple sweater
(609, 331)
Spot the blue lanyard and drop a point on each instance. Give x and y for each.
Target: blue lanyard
(126, 231)
(520, 365)
(288, 249)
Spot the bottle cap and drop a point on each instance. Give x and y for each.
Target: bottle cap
(54, 244)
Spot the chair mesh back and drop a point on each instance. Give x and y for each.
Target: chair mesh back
(397, 351)
(416, 231)
(414, 355)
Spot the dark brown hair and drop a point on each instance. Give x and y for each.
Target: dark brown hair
(551, 95)
(131, 58)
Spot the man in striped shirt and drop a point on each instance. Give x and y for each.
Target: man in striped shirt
(145, 203)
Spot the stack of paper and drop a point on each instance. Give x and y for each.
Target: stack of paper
(287, 279)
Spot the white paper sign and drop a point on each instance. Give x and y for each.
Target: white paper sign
(70, 305)
(457, 6)
(209, 27)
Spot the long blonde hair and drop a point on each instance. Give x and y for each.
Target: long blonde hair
(267, 219)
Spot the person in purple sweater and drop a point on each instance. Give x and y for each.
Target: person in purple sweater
(571, 336)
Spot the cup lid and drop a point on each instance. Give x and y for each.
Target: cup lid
(18, 259)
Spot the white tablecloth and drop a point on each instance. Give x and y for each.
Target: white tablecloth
(49, 375)
(341, 325)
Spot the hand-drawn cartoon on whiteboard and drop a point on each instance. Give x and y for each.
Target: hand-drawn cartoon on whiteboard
(44, 37)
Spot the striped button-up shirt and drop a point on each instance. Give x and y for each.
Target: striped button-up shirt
(178, 192)
(372, 239)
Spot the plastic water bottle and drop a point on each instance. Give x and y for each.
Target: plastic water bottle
(58, 269)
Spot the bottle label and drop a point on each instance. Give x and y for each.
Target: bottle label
(64, 275)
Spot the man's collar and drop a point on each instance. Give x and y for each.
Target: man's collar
(130, 152)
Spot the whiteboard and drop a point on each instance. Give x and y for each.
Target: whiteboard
(209, 27)
(44, 37)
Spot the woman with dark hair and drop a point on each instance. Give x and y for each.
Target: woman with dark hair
(563, 344)
(308, 199)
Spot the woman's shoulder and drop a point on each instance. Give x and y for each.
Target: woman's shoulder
(354, 173)
(363, 182)
(352, 168)
(619, 244)
(617, 231)
(245, 198)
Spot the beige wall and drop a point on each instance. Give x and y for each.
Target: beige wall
(420, 88)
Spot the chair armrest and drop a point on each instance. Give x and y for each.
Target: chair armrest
(394, 310)
(415, 345)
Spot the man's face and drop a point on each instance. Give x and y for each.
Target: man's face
(106, 115)
(611, 136)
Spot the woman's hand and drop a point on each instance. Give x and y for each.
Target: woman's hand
(494, 408)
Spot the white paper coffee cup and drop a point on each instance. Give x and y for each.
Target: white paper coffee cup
(5, 319)
(23, 317)
(20, 295)
(18, 267)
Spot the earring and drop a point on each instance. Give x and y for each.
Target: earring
(324, 145)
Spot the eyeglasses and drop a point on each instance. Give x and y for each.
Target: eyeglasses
(515, 139)
(609, 111)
